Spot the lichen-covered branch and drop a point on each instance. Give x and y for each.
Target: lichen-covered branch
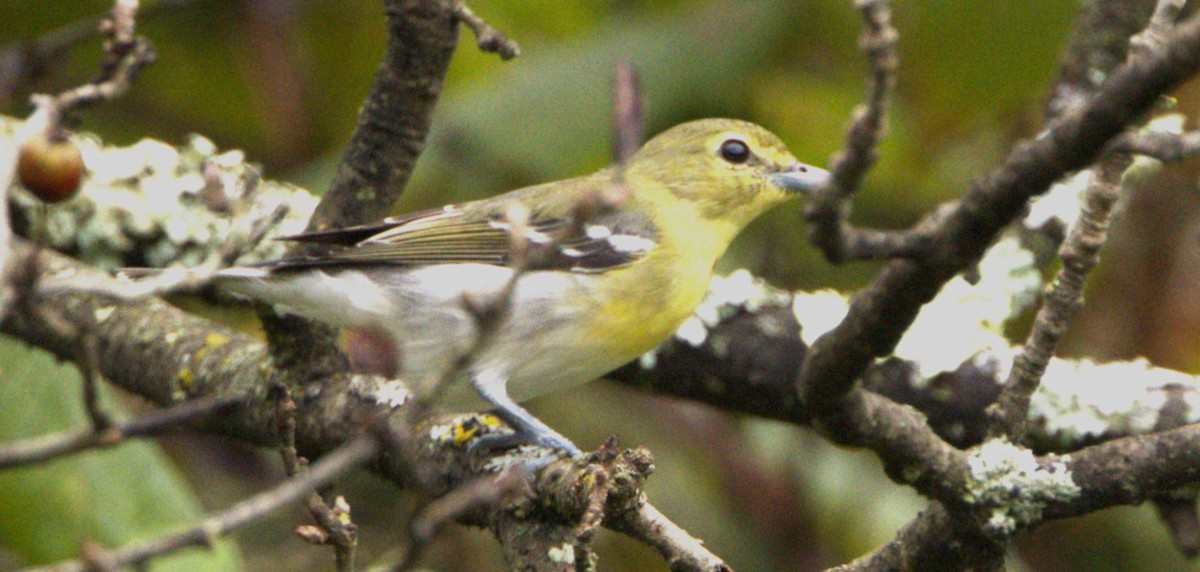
(155, 350)
(1097, 48)
(740, 352)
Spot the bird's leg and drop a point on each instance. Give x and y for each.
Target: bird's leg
(529, 429)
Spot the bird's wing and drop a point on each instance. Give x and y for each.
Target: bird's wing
(454, 235)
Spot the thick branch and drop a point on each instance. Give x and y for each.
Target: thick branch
(395, 119)
(955, 547)
(379, 159)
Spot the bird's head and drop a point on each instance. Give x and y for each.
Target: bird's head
(729, 171)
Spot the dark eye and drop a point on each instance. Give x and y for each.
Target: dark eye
(735, 151)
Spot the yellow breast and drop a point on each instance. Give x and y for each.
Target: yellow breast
(645, 302)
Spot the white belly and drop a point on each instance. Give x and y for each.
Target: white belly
(537, 345)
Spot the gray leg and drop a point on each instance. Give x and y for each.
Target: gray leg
(528, 428)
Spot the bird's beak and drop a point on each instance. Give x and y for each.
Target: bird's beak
(800, 178)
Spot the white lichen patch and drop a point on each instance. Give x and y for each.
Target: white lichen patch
(1081, 399)
(1062, 202)
(392, 393)
(516, 456)
(692, 332)
(564, 554)
(442, 433)
(966, 319)
(158, 200)
(726, 296)
(103, 312)
(649, 359)
(818, 312)
(1009, 480)
(1144, 166)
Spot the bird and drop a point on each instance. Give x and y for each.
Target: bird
(546, 287)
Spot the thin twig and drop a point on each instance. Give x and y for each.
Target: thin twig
(354, 453)
(48, 447)
(923, 543)
(85, 355)
(880, 313)
(489, 311)
(127, 55)
(482, 492)
(1080, 253)
(679, 549)
(1166, 13)
(1178, 512)
(487, 38)
(628, 120)
(1166, 147)
(828, 209)
(336, 528)
(89, 367)
(27, 60)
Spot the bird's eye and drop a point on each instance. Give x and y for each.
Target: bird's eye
(735, 151)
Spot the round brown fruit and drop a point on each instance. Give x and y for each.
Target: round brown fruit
(51, 169)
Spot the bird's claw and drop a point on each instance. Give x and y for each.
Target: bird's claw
(559, 447)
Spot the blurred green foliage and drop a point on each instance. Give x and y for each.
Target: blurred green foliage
(111, 497)
(283, 80)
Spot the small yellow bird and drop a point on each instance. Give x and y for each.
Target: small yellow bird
(594, 287)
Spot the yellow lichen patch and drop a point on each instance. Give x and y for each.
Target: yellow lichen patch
(212, 341)
(489, 420)
(215, 340)
(185, 378)
(464, 432)
(466, 429)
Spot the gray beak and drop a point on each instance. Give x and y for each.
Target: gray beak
(800, 178)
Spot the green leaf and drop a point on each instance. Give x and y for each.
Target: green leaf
(110, 497)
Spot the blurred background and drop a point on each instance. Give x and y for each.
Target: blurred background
(283, 81)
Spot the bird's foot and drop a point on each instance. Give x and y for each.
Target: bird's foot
(484, 445)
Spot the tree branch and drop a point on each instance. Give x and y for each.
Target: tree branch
(827, 211)
(395, 119)
(48, 447)
(880, 314)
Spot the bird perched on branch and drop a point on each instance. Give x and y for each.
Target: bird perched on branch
(545, 287)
